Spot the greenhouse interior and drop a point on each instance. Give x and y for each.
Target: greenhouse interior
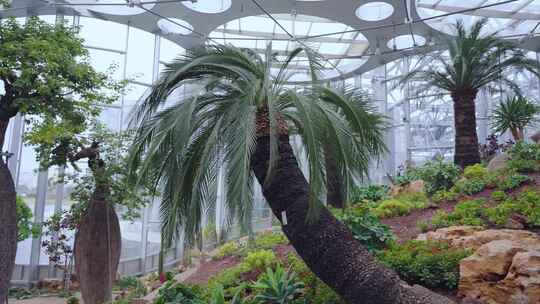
(270, 151)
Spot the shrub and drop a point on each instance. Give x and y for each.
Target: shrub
(72, 300)
(524, 157)
(529, 205)
(438, 175)
(229, 279)
(500, 214)
(277, 286)
(174, 292)
(431, 264)
(442, 196)
(372, 193)
(498, 196)
(469, 186)
(365, 226)
(259, 259)
(422, 225)
(227, 249)
(465, 213)
(392, 208)
(512, 181)
(477, 171)
(269, 240)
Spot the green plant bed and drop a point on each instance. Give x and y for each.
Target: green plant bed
(431, 264)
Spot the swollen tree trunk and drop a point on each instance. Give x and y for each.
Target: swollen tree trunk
(466, 140)
(517, 134)
(97, 249)
(327, 246)
(8, 220)
(334, 187)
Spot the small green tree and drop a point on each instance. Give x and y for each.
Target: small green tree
(514, 114)
(46, 76)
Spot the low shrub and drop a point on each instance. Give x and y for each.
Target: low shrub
(431, 264)
(373, 193)
(422, 225)
(465, 213)
(524, 157)
(500, 213)
(469, 186)
(529, 205)
(72, 300)
(512, 181)
(477, 171)
(174, 292)
(442, 196)
(259, 259)
(392, 208)
(268, 240)
(277, 286)
(498, 196)
(227, 249)
(365, 226)
(437, 175)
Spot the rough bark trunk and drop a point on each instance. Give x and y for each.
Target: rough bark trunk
(8, 220)
(517, 134)
(97, 249)
(334, 195)
(466, 139)
(327, 246)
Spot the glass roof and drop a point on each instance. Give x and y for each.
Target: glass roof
(256, 32)
(520, 17)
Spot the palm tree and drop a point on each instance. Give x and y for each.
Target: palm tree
(514, 114)
(241, 118)
(475, 61)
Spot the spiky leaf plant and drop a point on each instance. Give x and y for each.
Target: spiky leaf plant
(514, 114)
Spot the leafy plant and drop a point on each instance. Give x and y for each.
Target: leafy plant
(529, 205)
(431, 264)
(227, 249)
(500, 213)
(514, 114)
(277, 286)
(437, 175)
(392, 208)
(259, 259)
(498, 196)
(465, 213)
(524, 157)
(72, 300)
(268, 240)
(477, 171)
(444, 196)
(512, 181)
(469, 186)
(365, 226)
(25, 226)
(372, 193)
(174, 292)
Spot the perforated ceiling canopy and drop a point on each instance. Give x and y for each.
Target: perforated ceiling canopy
(353, 36)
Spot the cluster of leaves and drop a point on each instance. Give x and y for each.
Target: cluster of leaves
(465, 213)
(25, 226)
(262, 241)
(492, 147)
(469, 186)
(431, 264)
(524, 157)
(444, 196)
(437, 175)
(514, 114)
(527, 204)
(130, 288)
(58, 234)
(511, 181)
(365, 226)
(371, 193)
(400, 205)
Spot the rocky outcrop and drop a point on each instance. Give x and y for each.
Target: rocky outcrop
(498, 162)
(505, 267)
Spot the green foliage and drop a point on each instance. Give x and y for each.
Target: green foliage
(514, 114)
(373, 193)
(277, 287)
(25, 226)
(437, 175)
(498, 196)
(477, 171)
(524, 157)
(529, 205)
(512, 181)
(227, 249)
(365, 226)
(422, 225)
(209, 233)
(268, 240)
(174, 292)
(392, 208)
(469, 186)
(500, 213)
(444, 196)
(72, 300)
(259, 259)
(465, 213)
(431, 264)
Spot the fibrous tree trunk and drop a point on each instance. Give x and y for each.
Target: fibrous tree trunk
(8, 220)
(97, 248)
(517, 134)
(466, 139)
(334, 187)
(326, 245)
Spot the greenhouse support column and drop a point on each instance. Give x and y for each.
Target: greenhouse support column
(380, 91)
(39, 214)
(15, 146)
(483, 118)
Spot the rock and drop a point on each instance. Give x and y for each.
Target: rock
(449, 234)
(536, 137)
(412, 187)
(513, 224)
(498, 163)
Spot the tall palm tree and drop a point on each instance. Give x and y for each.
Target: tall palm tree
(241, 118)
(475, 61)
(514, 114)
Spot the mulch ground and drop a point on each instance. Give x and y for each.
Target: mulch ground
(210, 268)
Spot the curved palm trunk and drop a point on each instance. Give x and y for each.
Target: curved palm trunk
(8, 220)
(334, 195)
(466, 138)
(97, 249)
(517, 134)
(327, 246)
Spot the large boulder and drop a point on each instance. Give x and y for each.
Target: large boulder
(498, 162)
(505, 266)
